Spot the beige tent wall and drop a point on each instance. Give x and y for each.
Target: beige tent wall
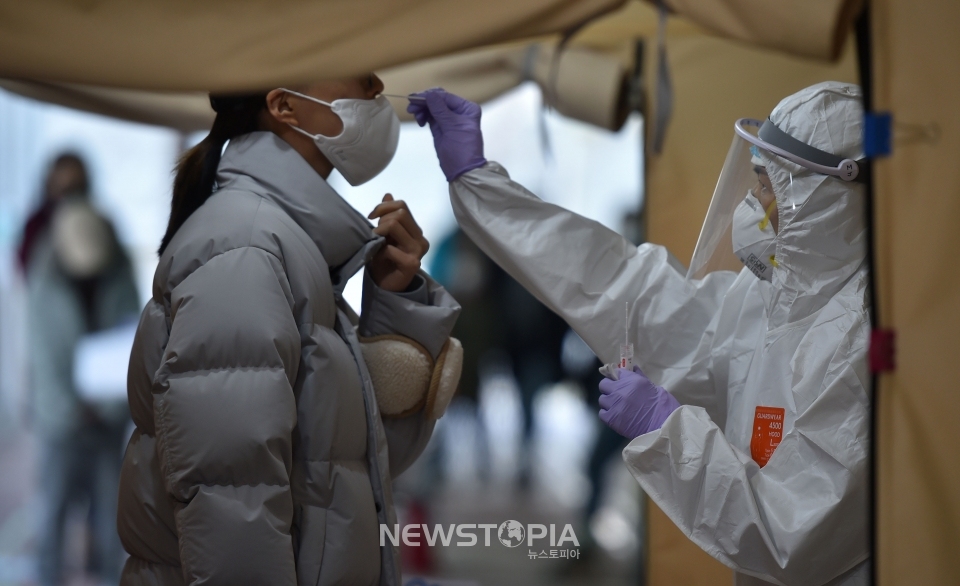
(715, 81)
(917, 78)
(812, 28)
(672, 559)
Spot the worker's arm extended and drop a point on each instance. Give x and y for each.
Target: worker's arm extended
(588, 274)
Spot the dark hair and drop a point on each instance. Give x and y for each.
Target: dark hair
(71, 158)
(197, 169)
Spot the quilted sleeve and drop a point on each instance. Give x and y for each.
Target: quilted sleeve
(225, 413)
(426, 315)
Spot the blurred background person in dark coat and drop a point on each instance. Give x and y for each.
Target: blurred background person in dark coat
(79, 281)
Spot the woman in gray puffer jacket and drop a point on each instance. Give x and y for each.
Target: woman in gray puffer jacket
(263, 452)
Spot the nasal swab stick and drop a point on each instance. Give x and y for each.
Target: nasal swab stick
(411, 98)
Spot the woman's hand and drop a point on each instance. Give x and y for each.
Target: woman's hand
(397, 262)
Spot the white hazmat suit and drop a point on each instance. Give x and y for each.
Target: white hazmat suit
(725, 345)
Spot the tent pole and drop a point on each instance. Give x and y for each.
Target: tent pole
(865, 66)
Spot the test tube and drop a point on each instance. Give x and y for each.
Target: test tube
(626, 356)
(626, 349)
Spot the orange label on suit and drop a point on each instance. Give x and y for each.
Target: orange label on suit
(767, 431)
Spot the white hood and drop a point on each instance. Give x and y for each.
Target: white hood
(821, 242)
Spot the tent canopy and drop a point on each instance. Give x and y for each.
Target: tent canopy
(237, 45)
(56, 61)
(584, 84)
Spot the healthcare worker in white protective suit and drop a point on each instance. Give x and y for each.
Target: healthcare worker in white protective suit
(749, 408)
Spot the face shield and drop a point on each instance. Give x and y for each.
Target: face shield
(740, 227)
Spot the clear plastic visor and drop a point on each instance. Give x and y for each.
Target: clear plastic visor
(743, 173)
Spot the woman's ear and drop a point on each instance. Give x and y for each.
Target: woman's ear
(280, 108)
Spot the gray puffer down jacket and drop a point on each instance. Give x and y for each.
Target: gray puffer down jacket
(260, 456)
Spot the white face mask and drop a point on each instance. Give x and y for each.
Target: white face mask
(754, 240)
(371, 131)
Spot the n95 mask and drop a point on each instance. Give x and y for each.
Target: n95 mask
(371, 131)
(754, 240)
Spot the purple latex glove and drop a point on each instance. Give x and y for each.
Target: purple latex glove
(455, 124)
(633, 406)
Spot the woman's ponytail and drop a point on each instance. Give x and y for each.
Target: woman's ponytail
(197, 169)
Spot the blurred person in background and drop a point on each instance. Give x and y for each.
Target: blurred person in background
(79, 280)
(580, 364)
(507, 329)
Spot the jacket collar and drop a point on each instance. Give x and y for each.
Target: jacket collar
(264, 163)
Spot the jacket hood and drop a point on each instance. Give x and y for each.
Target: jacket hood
(264, 163)
(821, 242)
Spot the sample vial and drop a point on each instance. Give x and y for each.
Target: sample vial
(626, 356)
(626, 349)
